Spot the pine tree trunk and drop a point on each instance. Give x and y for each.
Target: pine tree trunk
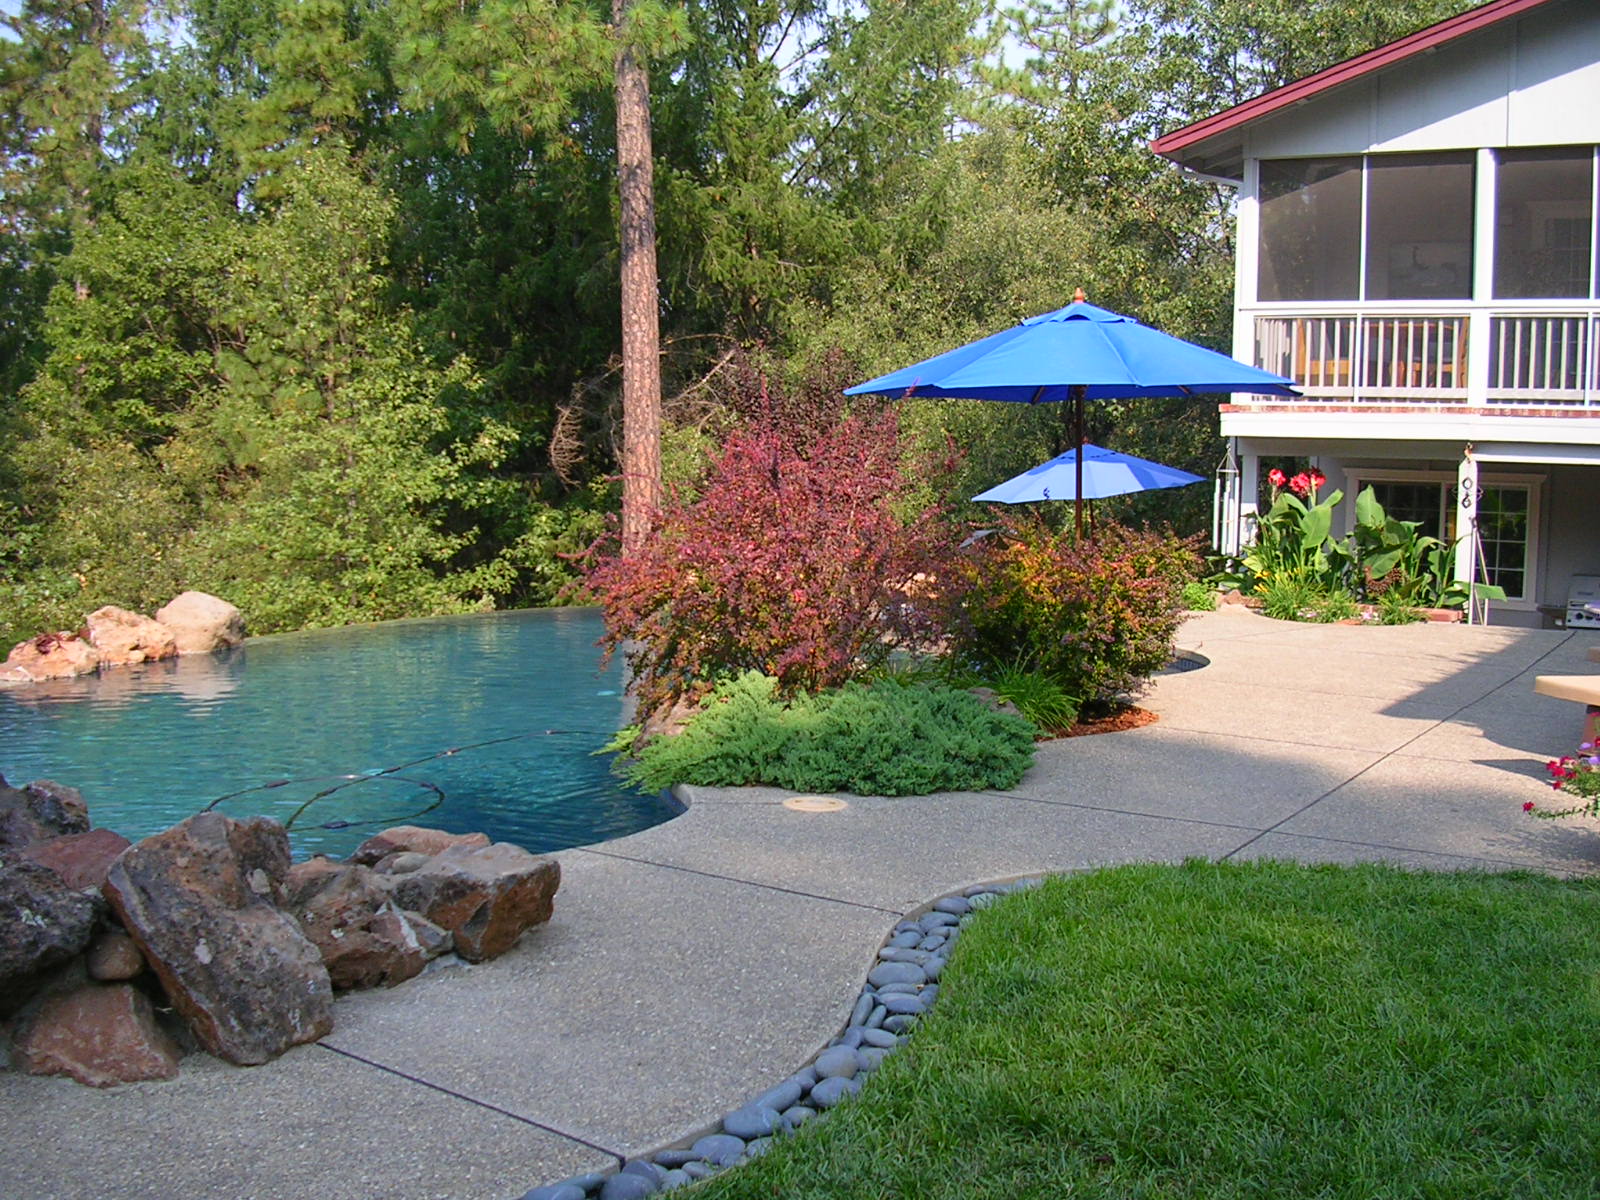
(641, 336)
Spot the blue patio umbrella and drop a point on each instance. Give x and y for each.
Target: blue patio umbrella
(1105, 473)
(1076, 353)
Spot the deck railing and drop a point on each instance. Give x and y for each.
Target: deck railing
(1534, 359)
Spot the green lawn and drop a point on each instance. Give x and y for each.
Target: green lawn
(1261, 1030)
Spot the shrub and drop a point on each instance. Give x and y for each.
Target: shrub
(1336, 605)
(1394, 610)
(1097, 616)
(879, 739)
(1286, 597)
(1199, 597)
(795, 560)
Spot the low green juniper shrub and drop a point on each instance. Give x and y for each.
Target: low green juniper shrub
(877, 739)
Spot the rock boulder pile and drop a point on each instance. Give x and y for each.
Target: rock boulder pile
(192, 623)
(210, 922)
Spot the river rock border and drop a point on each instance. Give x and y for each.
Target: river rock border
(901, 986)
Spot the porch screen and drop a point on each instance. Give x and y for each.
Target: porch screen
(1544, 223)
(1419, 226)
(1310, 229)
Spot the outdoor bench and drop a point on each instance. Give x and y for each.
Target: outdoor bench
(1582, 689)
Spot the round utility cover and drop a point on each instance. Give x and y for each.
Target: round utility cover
(815, 804)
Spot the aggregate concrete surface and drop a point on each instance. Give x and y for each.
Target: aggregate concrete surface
(693, 965)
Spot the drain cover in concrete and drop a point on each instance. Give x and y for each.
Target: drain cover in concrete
(815, 804)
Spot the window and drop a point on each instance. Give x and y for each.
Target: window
(1419, 227)
(1310, 229)
(1507, 518)
(1544, 223)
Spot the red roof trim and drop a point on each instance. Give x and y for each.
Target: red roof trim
(1423, 40)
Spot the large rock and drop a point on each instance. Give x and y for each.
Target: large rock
(53, 656)
(99, 1034)
(43, 922)
(39, 811)
(123, 637)
(201, 623)
(486, 897)
(365, 938)
(202, 901)
(412, 839)
(81, 859)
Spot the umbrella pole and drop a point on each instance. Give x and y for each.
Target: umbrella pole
(1077, 456)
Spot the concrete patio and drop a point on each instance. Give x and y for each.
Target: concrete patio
(691, 966)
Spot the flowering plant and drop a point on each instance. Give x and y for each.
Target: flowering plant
(1576, 775)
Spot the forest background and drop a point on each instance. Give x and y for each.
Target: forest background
(314, 305)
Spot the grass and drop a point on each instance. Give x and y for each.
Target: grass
(1251, 1030)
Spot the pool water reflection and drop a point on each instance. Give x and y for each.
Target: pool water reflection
(281, 719)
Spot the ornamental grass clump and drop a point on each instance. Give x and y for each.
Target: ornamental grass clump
(879, 739)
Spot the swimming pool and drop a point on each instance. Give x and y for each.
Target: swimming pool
(280, 720)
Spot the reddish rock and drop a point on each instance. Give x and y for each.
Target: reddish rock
(401, 863)
(81, 859)
(43, 922)
(39, 811)
(201, 623)
(123, 637)
(99, 1034)
(114, 956)
(413, 839)
(486, 897)
(54, 656)
(201, 900)
(365, 938)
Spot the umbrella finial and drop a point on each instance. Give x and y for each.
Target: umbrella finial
(1077, 296)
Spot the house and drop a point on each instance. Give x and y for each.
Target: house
(1417, 249)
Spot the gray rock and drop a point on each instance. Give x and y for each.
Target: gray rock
(937, 920)
(202, 901)
(929, 995)
(904, 940)
(898, 989)
(758, 1147)
(872, 1057)
(957, 905)
(43, 922)
(797, 1115)
(976, 889)
(851, 1037)
(880, 1038)
(556, 1191)
(675, 1180)
(984, 901)
(829, 1092)
(753, 1121)
(889, 954)
(933, 968)
(698, 1169)
(837, 1060)
(805, 1077)
(673, 1159)
(645, 1169)
(895, 972)
(899, 1022)
(39, 811)
(720, 1149)
(781, 1097)
(628, 1187)
(877, 1016)
(932, 943)
(913, 1006)
(863, 1006)
(589, 1181)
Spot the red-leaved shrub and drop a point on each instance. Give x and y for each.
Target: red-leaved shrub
(795, 559)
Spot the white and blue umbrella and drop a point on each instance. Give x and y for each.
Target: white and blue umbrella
(1105, 473)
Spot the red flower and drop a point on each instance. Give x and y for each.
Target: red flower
(1317, 478)
(1527, 806)
(1276, 478)
(1300, 484)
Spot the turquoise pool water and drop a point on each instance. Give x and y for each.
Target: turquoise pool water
(283, 718)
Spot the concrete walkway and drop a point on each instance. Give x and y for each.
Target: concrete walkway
(695, 964)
